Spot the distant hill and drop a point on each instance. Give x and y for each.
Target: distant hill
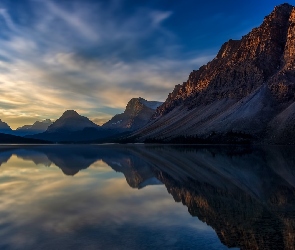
(36, 128)
(12, 139)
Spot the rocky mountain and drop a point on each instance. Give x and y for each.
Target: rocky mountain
(137, 114)
(4, 128)
(71, 121)
(245, 94)
(37, 127)
(72, 127)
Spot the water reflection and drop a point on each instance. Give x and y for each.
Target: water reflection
(246, 194)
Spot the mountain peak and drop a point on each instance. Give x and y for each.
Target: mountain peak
(137, 113)
(135, 105)
(71, 121)
(4, 126)
(283, 7)
(219, 96)
(70, 113)
(47, 121)
(279, 13)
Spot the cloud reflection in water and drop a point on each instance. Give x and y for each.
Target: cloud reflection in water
(42, 208)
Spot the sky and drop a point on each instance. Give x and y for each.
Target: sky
(93, 56)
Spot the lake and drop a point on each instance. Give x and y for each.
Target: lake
(147, 197)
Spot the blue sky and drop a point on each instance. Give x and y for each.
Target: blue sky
(94, 56)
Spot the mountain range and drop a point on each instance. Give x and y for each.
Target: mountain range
(37, 127)
(72, 127)
(244, 95)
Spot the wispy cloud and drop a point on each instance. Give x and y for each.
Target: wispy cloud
(87, 58)
(160, 16)
(7, 19)
(76, 23)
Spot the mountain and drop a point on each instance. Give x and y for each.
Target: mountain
(4, 128)
(71, 121)
(137, 114)
(245, 94)
(37, 127)
(72, 127)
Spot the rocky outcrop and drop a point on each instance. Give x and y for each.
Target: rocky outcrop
(137, 114)
(247, 88)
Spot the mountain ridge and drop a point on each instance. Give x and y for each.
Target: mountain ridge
(4, 127)
(259, 70)
(35, 128)
(73, 128)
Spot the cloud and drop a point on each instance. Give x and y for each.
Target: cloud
(160, 16)
(86, 57)
(87, 204)
(77, 24)
(7, 19)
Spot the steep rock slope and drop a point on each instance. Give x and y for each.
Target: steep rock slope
(137, 114)
(247, 89)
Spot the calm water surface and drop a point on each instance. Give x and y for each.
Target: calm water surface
(147, 197)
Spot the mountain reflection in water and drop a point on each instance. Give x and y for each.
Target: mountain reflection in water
(246, 194)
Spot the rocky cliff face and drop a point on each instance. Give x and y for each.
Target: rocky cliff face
(241, 66)
(246, 88)
(137, 113)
